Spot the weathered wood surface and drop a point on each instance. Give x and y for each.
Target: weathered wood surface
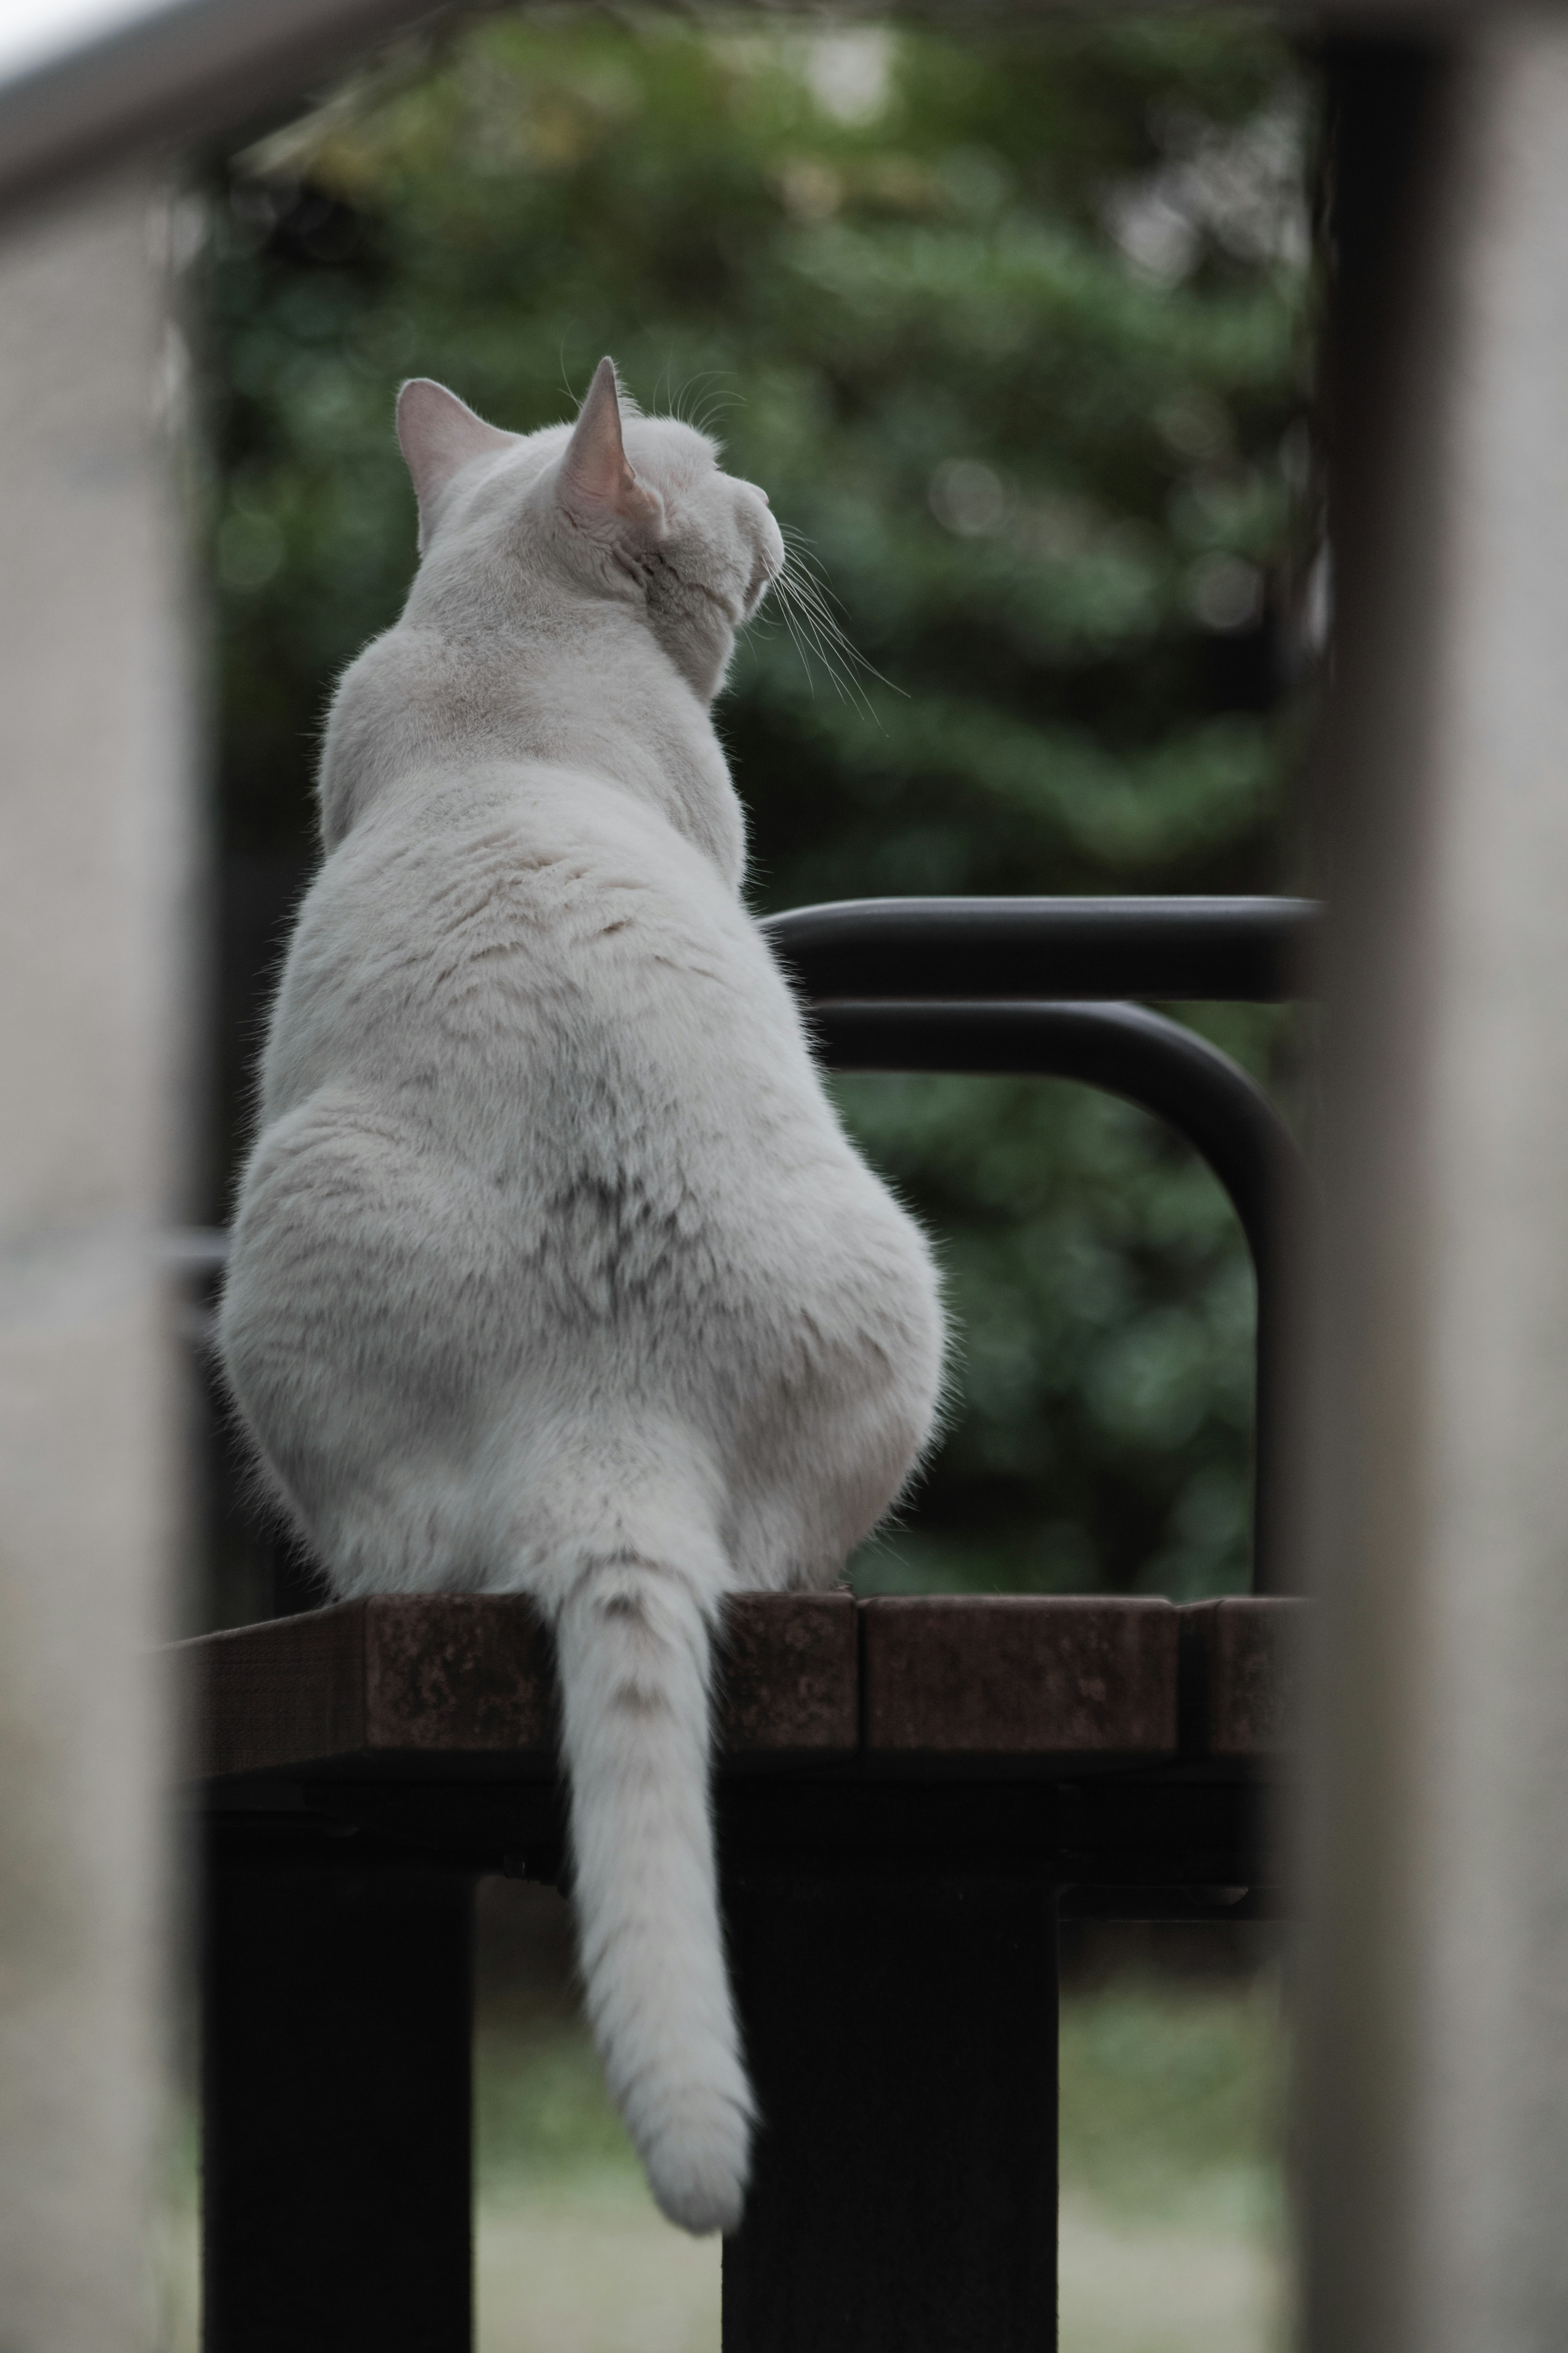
(1015, 1675)
(814, 1676)
(1248, 1678)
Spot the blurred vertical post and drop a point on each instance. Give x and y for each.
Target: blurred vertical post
(1434, 2048)
(95, 836)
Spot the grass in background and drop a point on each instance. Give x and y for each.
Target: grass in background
(1170, 2098)
(1171, 2205)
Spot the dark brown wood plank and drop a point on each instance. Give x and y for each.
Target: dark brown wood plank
(458, 1672)
(473, 1674)
(1250, 1651)
(1015, 1675)
(789, 1675)
(990, 1675)
(263, 1698)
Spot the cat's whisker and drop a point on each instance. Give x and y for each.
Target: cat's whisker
(678, 398)
(788, 615)
(685, 406)
(807, 603)
(574, 396)
(808, 629)
(814, 641)
(818, 598)
(713, 415)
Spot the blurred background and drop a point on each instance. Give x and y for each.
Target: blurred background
(1017, 330)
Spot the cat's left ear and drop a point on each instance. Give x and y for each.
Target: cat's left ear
(597, 487)
(439, 434)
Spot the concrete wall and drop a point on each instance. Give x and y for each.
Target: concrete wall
(95, 869)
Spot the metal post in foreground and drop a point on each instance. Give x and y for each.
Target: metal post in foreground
(337, 2167)
(1435, 2051)
(900, 2021)
(94, 868)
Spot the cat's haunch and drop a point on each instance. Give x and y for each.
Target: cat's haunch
(553, 1271)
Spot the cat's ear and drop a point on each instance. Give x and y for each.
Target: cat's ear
(439, 434)
(597, 489)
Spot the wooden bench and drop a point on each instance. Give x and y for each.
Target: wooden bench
(909, 1794)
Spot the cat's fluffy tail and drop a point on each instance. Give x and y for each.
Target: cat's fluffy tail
(635, 1654)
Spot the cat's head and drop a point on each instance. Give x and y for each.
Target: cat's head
(632, 510)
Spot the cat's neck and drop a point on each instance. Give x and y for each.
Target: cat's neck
(586, 690)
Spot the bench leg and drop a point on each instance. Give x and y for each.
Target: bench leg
(337, 2167)
(901, 2030)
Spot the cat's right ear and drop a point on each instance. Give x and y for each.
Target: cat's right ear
(439, 434)
(597, 487)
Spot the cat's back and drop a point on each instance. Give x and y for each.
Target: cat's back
(525, 937)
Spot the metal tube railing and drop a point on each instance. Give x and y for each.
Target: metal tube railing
(1165, 1069)
(1254, 950)
(977, 985)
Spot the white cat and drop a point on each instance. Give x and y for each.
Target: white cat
(553, 1271)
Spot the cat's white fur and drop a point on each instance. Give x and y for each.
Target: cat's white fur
(553, 1271)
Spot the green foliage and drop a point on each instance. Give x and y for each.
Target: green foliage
(542, 2114)
(1014, 331)
(1170, 2099)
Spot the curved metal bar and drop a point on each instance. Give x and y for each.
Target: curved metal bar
(1164, 1069)
(1258, 950)
(1142, 1056)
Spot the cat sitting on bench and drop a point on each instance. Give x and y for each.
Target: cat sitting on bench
(553, 1271)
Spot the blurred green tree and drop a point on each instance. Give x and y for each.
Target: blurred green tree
(1015, 331)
